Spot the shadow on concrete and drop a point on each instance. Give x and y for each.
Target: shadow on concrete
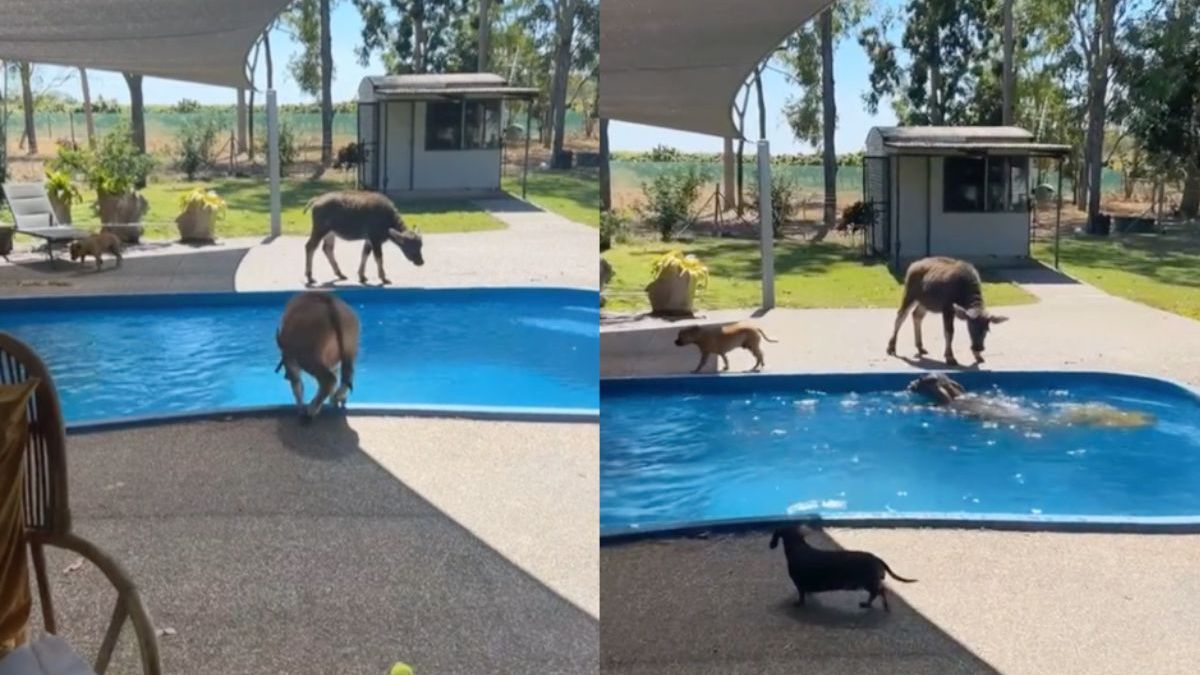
(1034, 274)
(505, 203)
(268, 553)
(211, 271)
(329, 436)
(725, 604)
(926, 363)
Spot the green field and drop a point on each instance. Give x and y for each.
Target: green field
(1160, 270)
(807, 275)
(574, 195)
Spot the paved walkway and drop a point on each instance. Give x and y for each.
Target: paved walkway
(984, 602)
(1074, 326)
(536, 248)
(272, 547)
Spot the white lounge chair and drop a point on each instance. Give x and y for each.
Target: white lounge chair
(33, 215)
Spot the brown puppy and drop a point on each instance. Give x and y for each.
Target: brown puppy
(94, 245)
(318, 331)
(722, 339)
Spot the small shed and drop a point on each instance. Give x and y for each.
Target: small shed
(434, 133)
(962, 192)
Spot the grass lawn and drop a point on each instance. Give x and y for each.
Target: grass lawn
(807, 275)
(574, 195)
(249, 206)
(1160, 270)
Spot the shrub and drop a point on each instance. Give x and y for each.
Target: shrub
(289, 151)
(205, 199)
(60, 188)
(350, 155)
(196, 141)
(613, 226)
(114, 167)
(669, 199)
(664, 153)
(857, 215)
(186, 105)
(783, 201)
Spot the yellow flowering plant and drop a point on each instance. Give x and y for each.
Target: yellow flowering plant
(204, 199)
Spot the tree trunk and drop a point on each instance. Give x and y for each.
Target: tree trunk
(418, 49)
(829, 121)
(564, 37)
(27, 103)
(326, 86)
(937, 115)
(1099, 91)
(242, 122)
(89, 121)
(137, 116)
(485, 34)
(1009, 85)
(1189, 203)
(605, 176)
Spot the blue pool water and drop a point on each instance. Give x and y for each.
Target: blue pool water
(122, 357)
(685, 451)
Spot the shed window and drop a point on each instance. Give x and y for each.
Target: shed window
(462, 125)
(990, 184)
(443, 125)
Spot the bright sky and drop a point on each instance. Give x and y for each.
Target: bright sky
(850, 76)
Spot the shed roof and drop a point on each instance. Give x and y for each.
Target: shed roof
(430, 86)
(679, 64)
(174, 39)
(942, 140)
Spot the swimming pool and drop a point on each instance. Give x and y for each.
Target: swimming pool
(501, 349)
(686, 451)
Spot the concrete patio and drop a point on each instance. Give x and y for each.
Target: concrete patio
(1072, 326)
(987, 601)
(358, 541)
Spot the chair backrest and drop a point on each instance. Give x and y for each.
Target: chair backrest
(46, 505)
(30, 205)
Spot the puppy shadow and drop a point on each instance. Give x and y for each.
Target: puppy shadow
(838, 610)
(329, 436)
(926, 363)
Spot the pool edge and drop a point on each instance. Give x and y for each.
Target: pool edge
(476, 413)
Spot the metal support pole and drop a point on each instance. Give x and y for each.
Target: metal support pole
(766, 230)
(1058, 213)
(273, 162)
(528, 132)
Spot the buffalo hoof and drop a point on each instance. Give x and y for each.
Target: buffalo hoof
(310, 282)
(362, 280)
(384, 281)
(951, 361)
(921, 351)
(341, 277)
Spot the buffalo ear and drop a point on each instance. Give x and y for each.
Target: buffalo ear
(961, 313)
(998, 319)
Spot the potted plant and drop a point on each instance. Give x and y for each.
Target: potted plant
(63, 194)
(676, 280)
(114, 170)
(201, 211)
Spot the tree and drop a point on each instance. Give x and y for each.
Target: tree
(87, 108)
(1097, 91)
(1010, 91)
(813, 115)
(950, 47)
(417, 36)
(312, 65)
(564, 37)
(26, 70)
(485, 34)
(1161, 70)
(137, 111)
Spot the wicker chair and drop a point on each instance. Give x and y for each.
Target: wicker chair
(48, 514)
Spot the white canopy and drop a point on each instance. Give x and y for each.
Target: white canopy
(205, 42)
(679, 63)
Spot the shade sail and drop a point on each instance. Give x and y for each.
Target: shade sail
(206, 42)
(680, 63)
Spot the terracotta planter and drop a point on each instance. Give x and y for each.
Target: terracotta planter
(127, 234)
(197, 224)
(671, 294)
(62, 211)
(123, 209)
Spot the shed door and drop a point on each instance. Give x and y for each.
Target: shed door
(398, 130)
(368, 171)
